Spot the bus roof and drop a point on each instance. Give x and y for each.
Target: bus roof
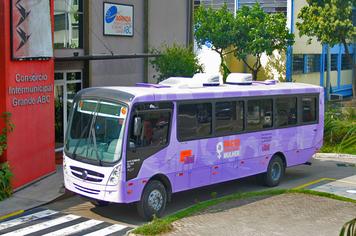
(158, 93)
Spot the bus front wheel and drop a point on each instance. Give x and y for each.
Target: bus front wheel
(153, 200)
(275, 172)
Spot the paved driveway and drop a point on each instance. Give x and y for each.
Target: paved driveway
(287, 214)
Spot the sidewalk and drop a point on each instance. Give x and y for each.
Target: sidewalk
(286, 214)
(34, 195)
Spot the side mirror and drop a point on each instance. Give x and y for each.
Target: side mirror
(137, 126)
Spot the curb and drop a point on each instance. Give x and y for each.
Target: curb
(334, 155)
(63, 196)
(15, 213)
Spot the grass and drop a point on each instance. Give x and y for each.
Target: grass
(164, 225)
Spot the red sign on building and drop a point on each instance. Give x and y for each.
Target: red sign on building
(26, 87)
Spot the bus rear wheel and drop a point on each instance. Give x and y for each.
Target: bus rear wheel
(275, 172)
(153, 200)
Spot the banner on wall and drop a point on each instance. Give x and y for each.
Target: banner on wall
(31, 29)
(118, 19)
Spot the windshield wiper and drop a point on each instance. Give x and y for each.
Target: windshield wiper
(95, 146)
(83, 132)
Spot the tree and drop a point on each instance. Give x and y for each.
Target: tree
(175, 60)
(330, 21)
(215, 27)
(257, 32)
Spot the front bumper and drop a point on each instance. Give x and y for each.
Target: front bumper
(99, 191)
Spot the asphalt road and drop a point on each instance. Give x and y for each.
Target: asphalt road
(126, 214)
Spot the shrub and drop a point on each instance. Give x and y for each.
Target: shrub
(175, 61)
(9, 127)
(349, 228)
(5, 172)
(5, 184)
(339, 131)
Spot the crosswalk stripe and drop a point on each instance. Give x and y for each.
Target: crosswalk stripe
(43, 225)
(108, 230)
(26, 218)
(74, 228)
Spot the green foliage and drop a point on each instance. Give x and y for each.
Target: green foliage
(251, 32)
(155, 227)
(5, 173)
(9, 127)
(214, 194)
(349, 228)
(340, 130)
(330, 21)
(5, 184)
(215, 27)
(257, 32)
(276, 67)
(175, 61)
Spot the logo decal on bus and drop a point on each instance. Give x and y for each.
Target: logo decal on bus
(186, 157)
(228, 149)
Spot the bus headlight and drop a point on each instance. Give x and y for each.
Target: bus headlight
(65, 166)
(115, 175)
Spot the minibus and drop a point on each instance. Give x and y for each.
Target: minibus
(143, 143)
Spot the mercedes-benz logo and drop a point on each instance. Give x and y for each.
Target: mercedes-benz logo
(85, 174)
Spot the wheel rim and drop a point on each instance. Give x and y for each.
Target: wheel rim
(155, 200)
(276, 171)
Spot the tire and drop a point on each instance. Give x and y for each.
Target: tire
(153, 201)
(99, 203)
(275, 172)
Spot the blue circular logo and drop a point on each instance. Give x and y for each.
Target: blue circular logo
(111, 14)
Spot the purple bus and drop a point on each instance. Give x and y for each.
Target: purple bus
(144, 143)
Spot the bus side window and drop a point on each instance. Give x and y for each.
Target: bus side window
(309, 109)
(286, 111)
(259, 114)
(194, 121)
(154, 129)
(229, 117)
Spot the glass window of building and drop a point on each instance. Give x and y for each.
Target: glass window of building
(68, 24)
(67, 84)
(298, 63)
(345, 62)
(313, 63)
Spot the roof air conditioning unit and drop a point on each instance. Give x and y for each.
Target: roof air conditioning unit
(206, 79)
(239, 79)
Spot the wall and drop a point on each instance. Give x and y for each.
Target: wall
(30, 150)
(167, 24)
(115, 72)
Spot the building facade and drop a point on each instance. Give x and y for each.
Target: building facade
(80, 37)
(307, 63)
(270, 6)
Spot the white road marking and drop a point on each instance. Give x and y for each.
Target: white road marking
(25, 219)
(75, 228)
(43, 225)
(108, 230)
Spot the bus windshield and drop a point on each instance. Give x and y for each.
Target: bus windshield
(95, 132)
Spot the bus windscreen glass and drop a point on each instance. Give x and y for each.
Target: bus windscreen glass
(96, 131)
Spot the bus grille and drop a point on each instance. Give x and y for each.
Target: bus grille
(86, 190)
(86, 174)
